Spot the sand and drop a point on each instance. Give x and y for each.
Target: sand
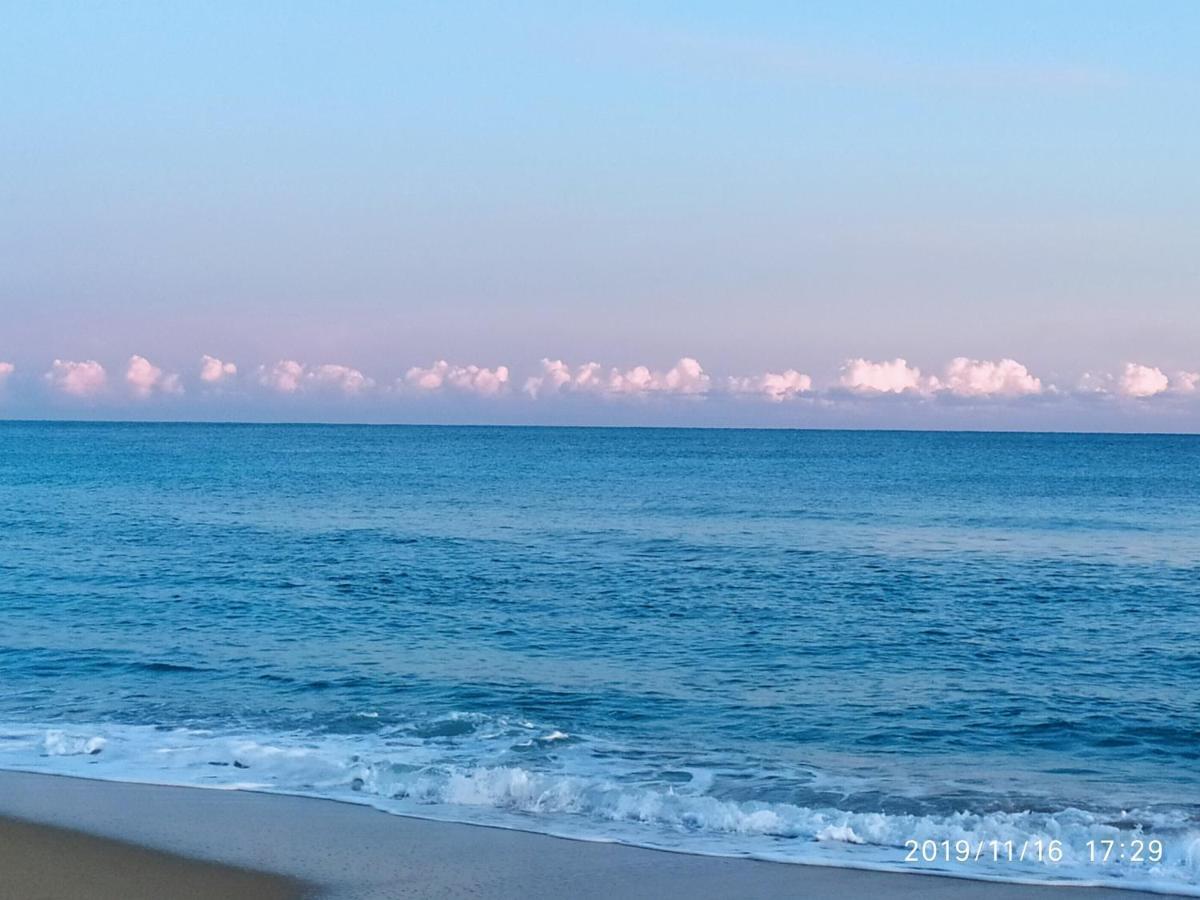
(148, 841)
(37, 861)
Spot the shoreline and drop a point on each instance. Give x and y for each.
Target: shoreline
(89, 832)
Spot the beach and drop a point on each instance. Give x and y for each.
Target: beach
(63, 837)
(567, 450)
(43, 861)
(801, 647)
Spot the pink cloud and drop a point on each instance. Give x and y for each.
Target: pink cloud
(1186, 382)
(144, 378)
(285, 376)
(894, 377)
(1095, 383)
(775, 386)
(962, 377)
(214, 371)
(468, 379)
(686, 377)
(79, 379)
(1142, 381)
(288, 376)
(6, 369)
(342, 378)
(557, 375)
(983, 378)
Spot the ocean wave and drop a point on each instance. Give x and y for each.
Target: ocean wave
(59, 743)
(435, 770)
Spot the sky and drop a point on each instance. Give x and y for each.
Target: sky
(911, 215)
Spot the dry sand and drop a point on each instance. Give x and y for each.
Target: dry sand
(37, 861)
(166, 842)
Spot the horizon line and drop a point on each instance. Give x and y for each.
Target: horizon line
(533, 425)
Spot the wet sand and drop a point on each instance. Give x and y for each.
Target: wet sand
(141, 841)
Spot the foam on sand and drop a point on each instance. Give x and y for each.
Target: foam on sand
(348, 851)
(575, 795)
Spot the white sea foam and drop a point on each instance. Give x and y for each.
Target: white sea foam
(59, 743)
(576, 795)
(843, 833)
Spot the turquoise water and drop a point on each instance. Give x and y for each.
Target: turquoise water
(808, 646)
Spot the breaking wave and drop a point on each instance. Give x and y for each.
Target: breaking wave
(515, 774)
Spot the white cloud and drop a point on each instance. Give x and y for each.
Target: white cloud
(468, 379)
(1186, 382)
(962, 377)
(144, 378)
(288, 376)
(285, 376)
(893, 377)
(214, 371)
(1095, 383)
(984, 378)
(686, 377)
(343, 378)
(557, 375)
(1142, 381)
(79, 379)
(775, 386)
(6, 369)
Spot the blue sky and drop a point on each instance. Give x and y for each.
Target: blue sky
(762, 188)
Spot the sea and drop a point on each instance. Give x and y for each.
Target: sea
(823, 647)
